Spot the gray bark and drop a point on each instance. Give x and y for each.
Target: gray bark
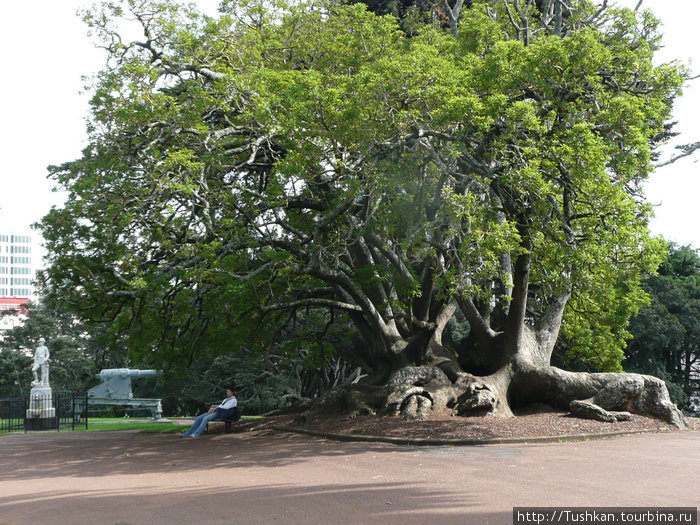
(418, 392)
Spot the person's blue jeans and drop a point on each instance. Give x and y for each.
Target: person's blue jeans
(199, 424)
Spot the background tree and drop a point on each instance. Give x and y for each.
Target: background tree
(666, 332)
(259, 162)
(15, 372)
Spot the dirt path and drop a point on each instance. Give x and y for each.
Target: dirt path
(131, 478)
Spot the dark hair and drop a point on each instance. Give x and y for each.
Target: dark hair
(231, 388)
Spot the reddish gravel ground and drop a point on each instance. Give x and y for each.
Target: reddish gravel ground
(259, 476)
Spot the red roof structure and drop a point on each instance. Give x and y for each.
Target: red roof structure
(14, 303)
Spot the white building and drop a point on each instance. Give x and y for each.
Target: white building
(17, 272)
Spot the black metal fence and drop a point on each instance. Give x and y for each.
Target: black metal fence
(57, 411)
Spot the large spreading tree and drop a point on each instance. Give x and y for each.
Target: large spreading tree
(483, 168)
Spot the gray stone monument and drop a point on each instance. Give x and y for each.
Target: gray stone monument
(41, 413)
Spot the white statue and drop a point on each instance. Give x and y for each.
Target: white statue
(41, 362)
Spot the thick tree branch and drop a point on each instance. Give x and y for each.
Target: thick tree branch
(686, 150)
(325, 303)
(476, 321)
(453, 14)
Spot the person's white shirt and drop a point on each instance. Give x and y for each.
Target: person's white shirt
(229, 402)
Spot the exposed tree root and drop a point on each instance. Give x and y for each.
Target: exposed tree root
(587, 410)
(419, 392)
(634, 393)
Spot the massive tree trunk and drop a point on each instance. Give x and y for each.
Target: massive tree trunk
(416, 392)
(512, 372)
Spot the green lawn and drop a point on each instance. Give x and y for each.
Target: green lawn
(103, 424)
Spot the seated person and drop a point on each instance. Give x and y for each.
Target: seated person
(226, 409)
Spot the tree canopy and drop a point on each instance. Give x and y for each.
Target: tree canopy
(279, 157)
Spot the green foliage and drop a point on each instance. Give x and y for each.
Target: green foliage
(666, 331)
(15, 372)
(596, 329)
(283, 157)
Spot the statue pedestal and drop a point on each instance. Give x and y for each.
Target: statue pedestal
(41, 423)
(41, 404)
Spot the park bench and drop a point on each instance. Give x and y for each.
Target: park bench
(228, 420)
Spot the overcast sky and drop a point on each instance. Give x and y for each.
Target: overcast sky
(45, 52)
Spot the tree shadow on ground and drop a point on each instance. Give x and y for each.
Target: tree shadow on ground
(28, 456)
(329, 504)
